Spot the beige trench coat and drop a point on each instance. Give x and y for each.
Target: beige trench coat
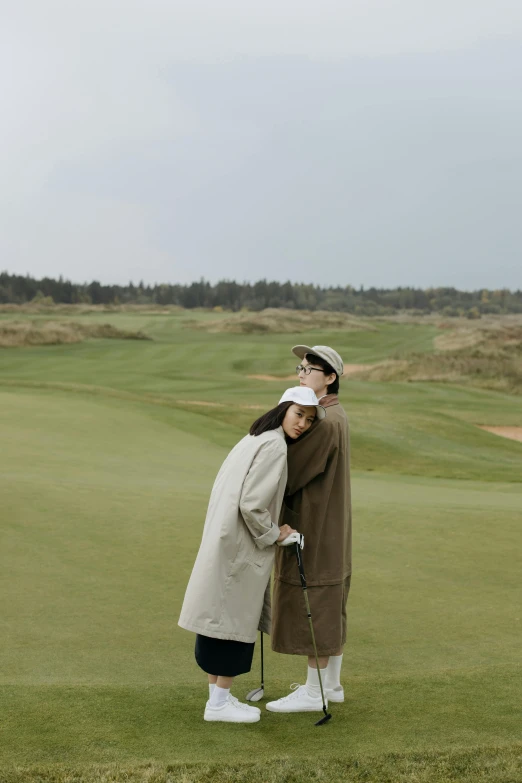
(228, 595)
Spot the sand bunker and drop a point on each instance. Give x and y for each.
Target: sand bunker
(273, 377)
(204, 404)
(514, 433)
(353, 369)
(201, 402)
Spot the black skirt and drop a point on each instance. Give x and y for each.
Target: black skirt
(223, 657)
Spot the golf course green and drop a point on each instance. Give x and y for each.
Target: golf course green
(109, 449)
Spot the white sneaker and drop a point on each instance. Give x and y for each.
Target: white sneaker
(242, 704)
(298, 701)
(232, 711)
(335, 694)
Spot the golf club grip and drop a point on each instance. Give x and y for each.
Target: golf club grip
(300, 566)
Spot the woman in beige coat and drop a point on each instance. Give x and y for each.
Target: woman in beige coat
(227, 597)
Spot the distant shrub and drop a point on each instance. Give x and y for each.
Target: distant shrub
(40, 299)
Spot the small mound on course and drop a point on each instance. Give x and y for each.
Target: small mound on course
(282, 321)
(14, 334)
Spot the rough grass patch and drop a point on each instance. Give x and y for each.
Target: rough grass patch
(39, 308)
(16, 334)
(475, 765)
(489, 356)
(282, 321)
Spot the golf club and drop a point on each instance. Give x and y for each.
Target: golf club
(258, 693)
(327, 715)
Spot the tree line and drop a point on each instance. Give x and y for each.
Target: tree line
(230, 295)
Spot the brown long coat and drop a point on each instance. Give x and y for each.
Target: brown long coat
(318, 504)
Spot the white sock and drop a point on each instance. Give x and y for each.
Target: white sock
(218, 696)
(312, 681)
(333, 671)
(211, 687)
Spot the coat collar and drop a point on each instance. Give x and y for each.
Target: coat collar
(328, 400)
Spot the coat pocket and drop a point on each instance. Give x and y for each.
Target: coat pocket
(288, 517)
(257, 556)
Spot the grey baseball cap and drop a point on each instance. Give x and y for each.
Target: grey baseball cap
(325, 352)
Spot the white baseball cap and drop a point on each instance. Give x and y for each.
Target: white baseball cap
(302, 395)
(325, 352)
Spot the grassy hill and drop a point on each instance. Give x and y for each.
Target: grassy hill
(109, 451)
(487, 355)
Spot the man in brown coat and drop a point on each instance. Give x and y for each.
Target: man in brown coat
(318, 504)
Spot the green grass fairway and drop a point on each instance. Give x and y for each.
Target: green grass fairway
(106, 466)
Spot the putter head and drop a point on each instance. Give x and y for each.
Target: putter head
(255, 695)
(325, 719)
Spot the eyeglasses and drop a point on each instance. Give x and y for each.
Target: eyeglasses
(307, 370)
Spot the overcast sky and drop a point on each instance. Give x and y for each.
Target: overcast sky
(364, 142)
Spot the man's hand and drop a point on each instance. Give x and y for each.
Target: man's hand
(285, 531)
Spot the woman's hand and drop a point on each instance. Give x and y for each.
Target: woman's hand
(285, 531)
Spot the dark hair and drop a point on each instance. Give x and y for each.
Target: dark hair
(270, 420)
(333, 388)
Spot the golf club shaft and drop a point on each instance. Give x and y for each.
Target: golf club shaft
(262, 663)
(305, 592)
(307, 602)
